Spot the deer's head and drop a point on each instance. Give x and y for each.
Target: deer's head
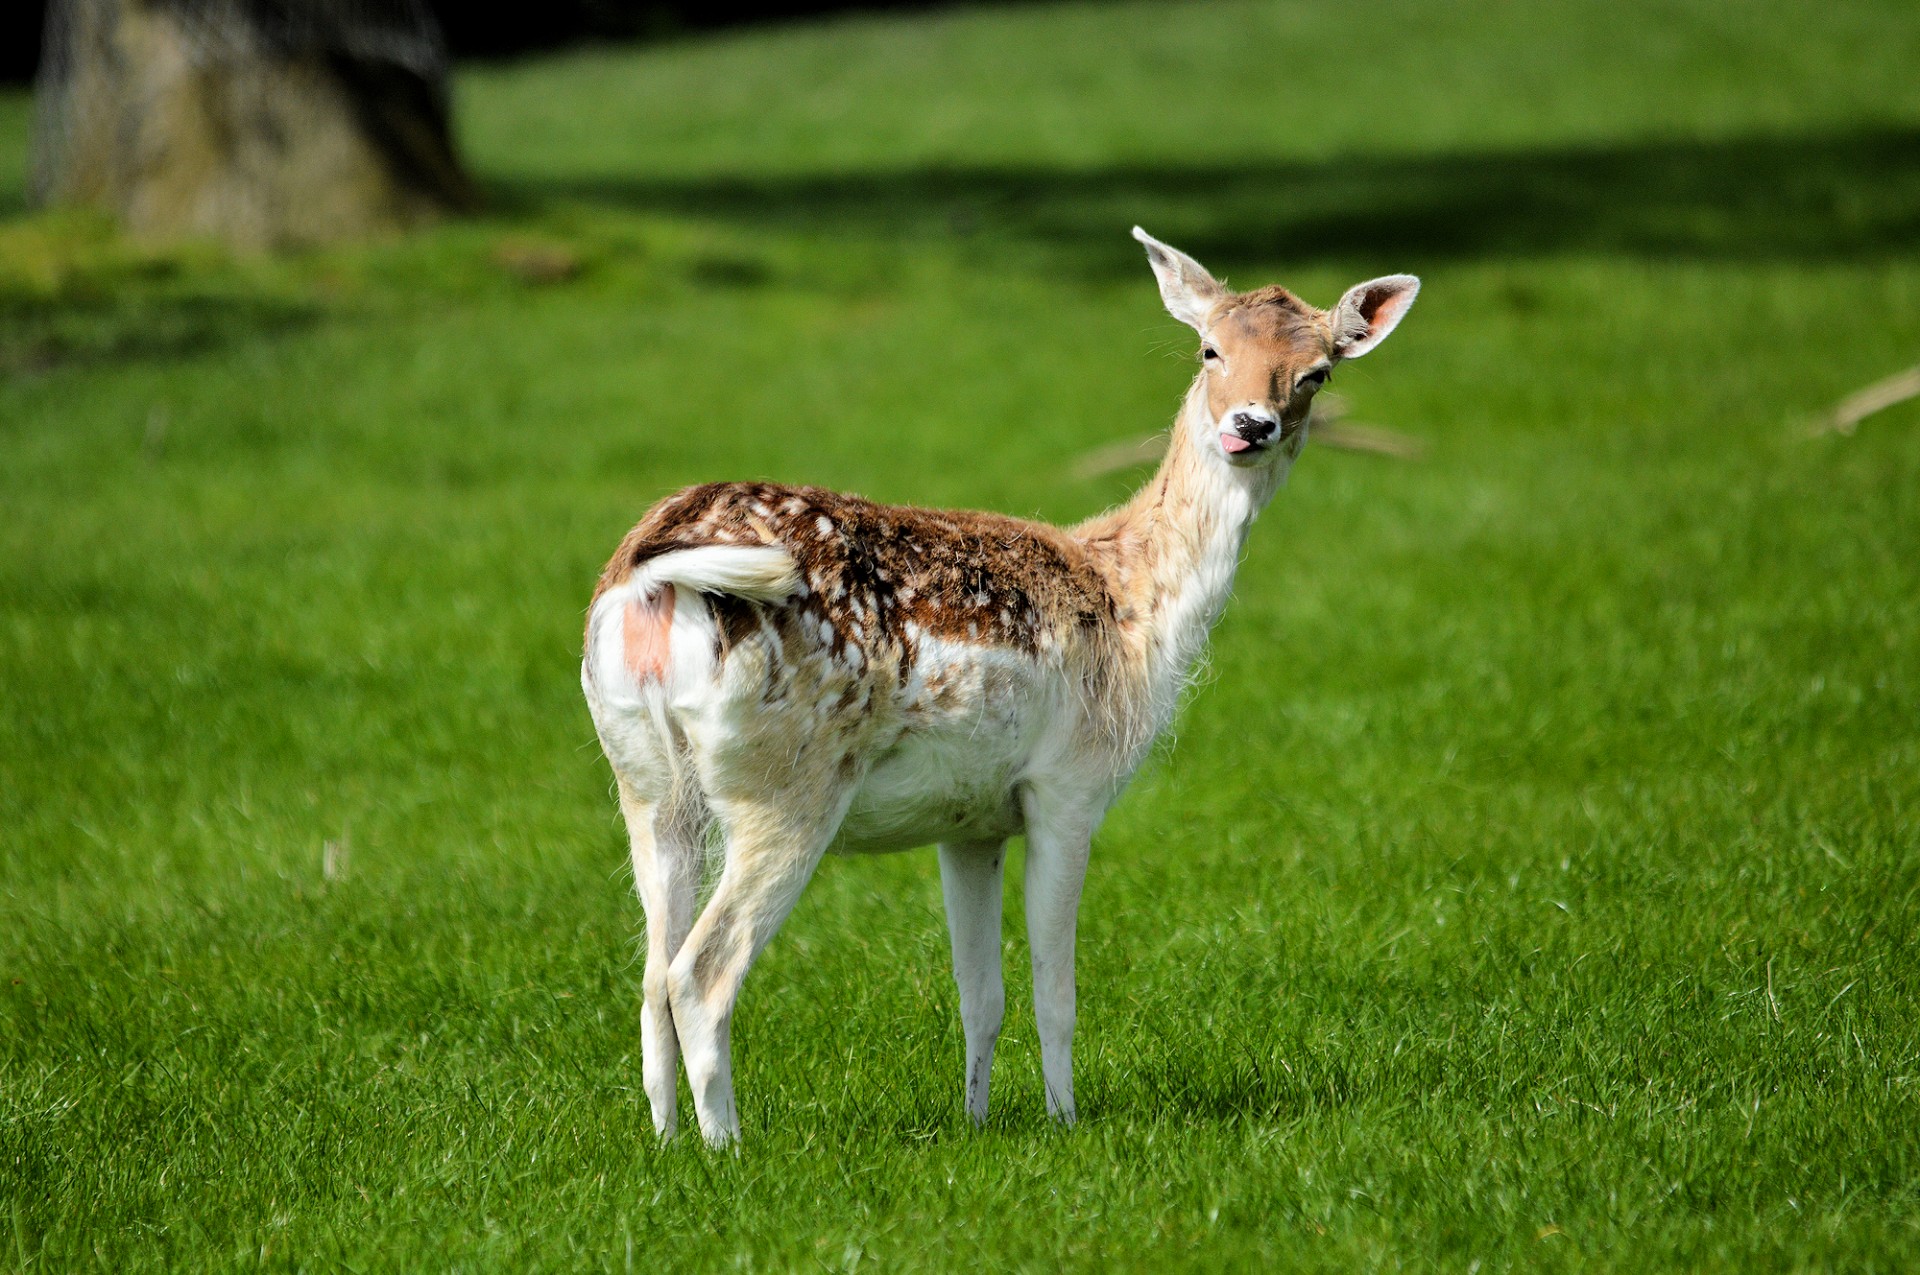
(1264, 353)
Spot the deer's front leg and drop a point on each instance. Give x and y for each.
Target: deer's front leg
(970, 884)
(1057, 844)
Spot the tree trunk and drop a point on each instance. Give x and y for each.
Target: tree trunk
(263, 123)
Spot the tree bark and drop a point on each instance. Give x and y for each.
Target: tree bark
(220, 119)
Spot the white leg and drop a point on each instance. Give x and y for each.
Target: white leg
(1057, 846)
(665, 841)
(770, 858)
(970, 883)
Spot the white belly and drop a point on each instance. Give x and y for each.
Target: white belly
(920, 793)
(954, 772)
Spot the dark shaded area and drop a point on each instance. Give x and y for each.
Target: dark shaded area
(409, 120)
(489, 31)
(492, 31)
(1845, 195)
(22, 29)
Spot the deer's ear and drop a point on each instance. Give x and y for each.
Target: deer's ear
(1185, 285)
(1369, 311)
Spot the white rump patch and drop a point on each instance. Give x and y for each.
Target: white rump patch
(758, 573)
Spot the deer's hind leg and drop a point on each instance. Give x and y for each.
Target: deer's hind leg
(774, 843)
(666, 838)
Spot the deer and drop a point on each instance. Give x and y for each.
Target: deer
(779, 672)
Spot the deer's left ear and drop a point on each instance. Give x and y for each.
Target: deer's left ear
(1369, 311)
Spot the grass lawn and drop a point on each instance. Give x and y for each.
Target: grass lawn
(1534, 880)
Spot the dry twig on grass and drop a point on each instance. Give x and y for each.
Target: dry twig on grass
(1856, 407)
(1112, 458)
(1377, 440)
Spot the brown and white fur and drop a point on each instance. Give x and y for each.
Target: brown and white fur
(809, 671)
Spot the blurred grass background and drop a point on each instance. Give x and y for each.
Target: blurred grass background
(1532, 885)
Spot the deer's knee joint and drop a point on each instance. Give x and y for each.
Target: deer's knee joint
(657, 985)
(703, 977)
(682, 986)
(984, 1012)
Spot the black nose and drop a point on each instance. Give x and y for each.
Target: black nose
(1254, 429)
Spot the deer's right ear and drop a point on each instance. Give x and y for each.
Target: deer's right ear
(1185, 285)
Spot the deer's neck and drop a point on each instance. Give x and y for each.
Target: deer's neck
(1171, 552)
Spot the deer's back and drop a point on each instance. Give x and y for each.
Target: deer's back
(881, 577)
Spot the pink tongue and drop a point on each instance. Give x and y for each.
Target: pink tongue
(1234, 443)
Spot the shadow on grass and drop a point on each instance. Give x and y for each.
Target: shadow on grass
(1843, 195)
(123, 326)
(1229, 1088)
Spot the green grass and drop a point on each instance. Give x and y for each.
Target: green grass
(1534, 884)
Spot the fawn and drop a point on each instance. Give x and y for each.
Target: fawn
(806, 671)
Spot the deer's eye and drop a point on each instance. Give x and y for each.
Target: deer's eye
(1208, 352)
(1312, 380)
